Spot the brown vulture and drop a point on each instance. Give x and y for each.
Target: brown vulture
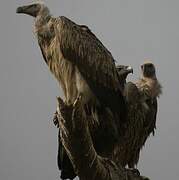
(79, 61)
(82, 65)
(141, 100)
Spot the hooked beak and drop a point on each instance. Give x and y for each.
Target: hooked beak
(130, 69)
(22, 9)
(31, 10)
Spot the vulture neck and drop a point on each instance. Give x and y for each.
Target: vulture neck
(42, 19)
(43, 28)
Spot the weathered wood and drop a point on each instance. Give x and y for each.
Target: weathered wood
(77, 141)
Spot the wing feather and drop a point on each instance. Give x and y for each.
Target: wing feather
(141, 123)
(94, 62)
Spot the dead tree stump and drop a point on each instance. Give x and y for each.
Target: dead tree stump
(76, 139)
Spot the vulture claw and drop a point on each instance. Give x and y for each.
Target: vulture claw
(55, 119)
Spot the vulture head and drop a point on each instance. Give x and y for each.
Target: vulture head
(148, 69)
(34, 10)
(123, 71)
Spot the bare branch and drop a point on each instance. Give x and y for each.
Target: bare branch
(77, 141)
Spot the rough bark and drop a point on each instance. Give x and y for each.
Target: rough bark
(77, 141)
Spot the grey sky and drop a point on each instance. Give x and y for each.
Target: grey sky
(132, 30)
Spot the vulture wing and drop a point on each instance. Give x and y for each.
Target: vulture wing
(150, 118)
(64, 163)
(94, 62)
(141, 122)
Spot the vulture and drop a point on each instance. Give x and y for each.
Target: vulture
(141, 98)
(79, 62)
(82, 65)
(124, 114)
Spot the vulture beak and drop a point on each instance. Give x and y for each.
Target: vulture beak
(130, 69)
(21, 9)
(31, 10)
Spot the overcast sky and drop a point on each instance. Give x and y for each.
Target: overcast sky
(132, 30)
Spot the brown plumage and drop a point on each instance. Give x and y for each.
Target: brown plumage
(78, 60)
(82, 65)
(142, 113)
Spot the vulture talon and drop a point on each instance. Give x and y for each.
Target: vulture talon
(55, 119)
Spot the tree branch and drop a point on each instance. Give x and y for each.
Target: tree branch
(76, 139)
